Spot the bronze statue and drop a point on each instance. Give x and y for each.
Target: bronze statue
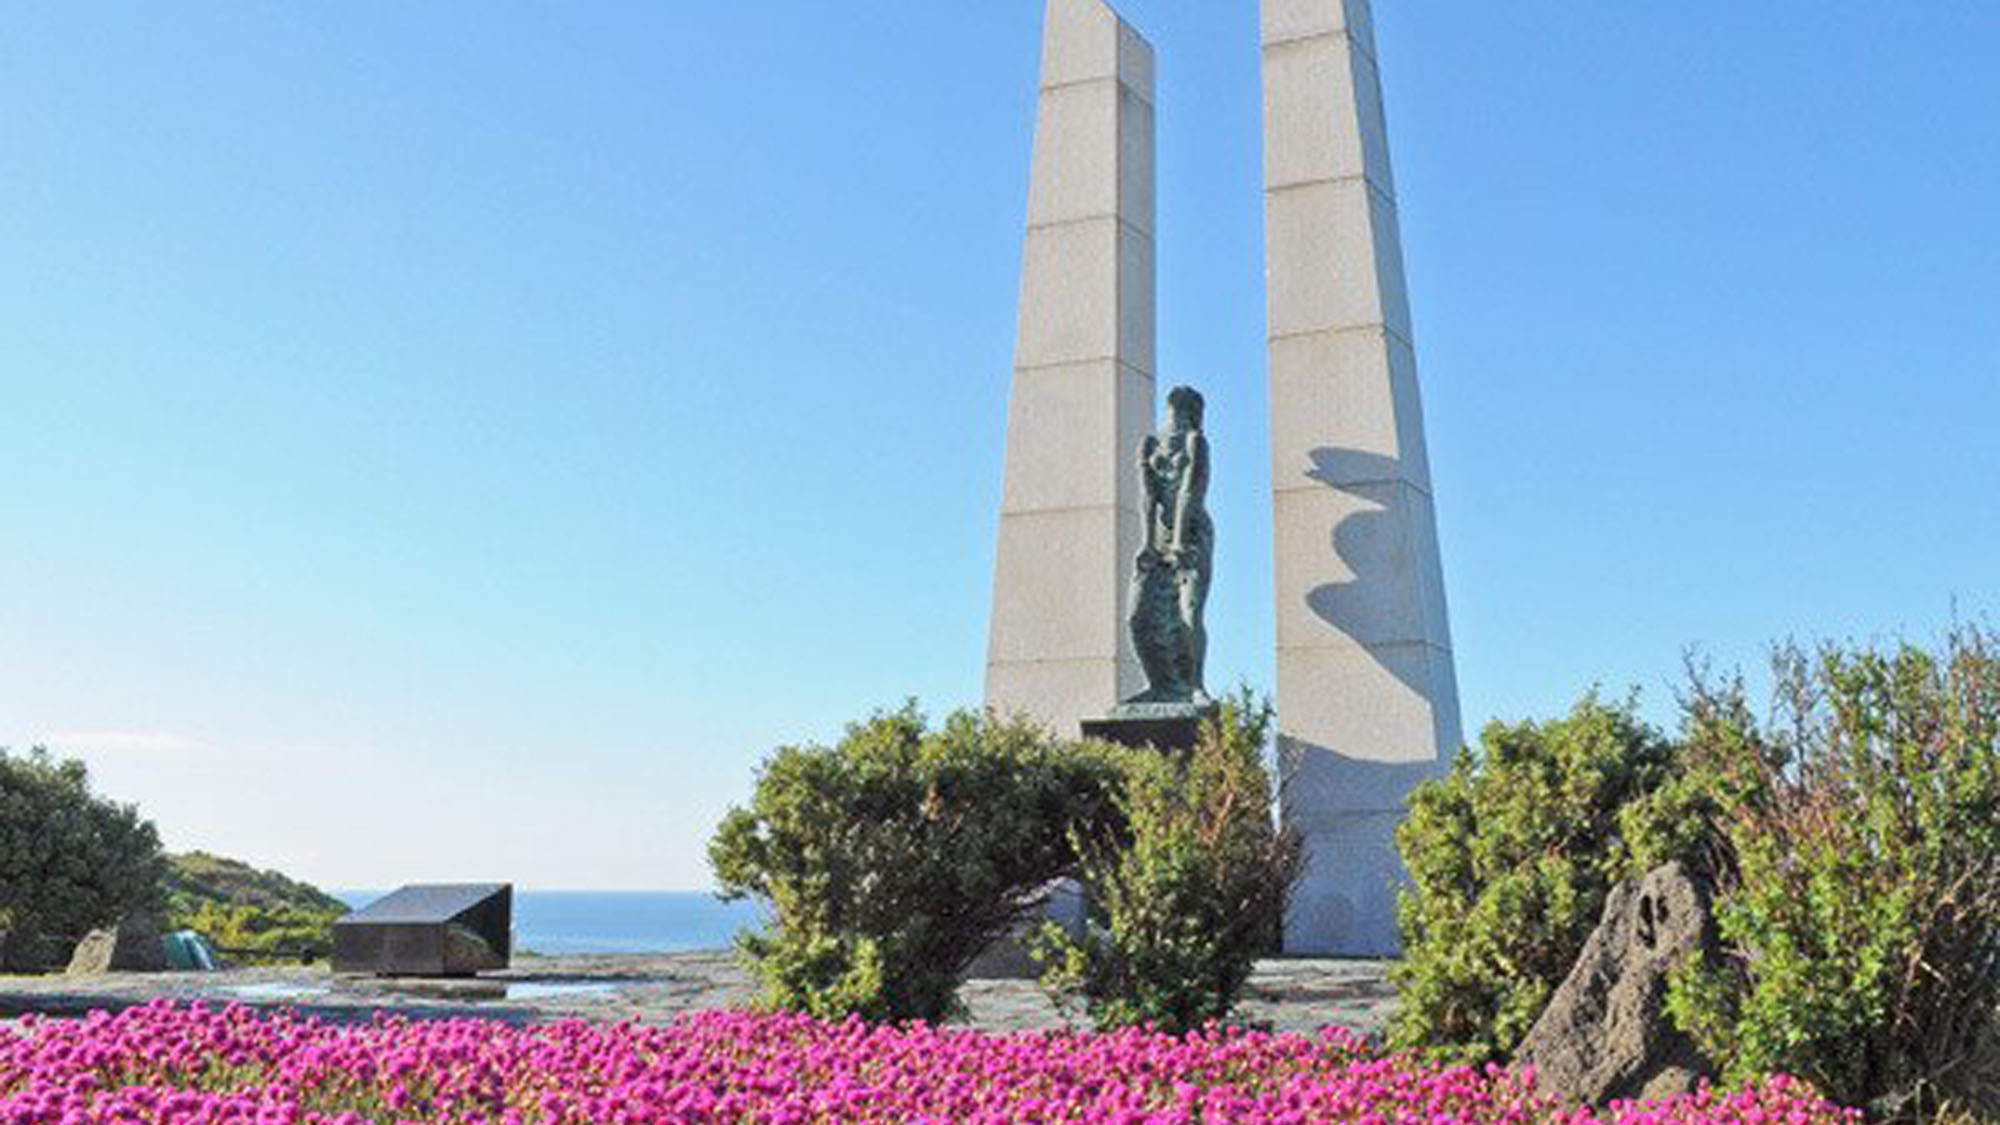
(1171, 574)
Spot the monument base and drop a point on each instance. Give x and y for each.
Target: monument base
(1152, 726)
(1345, 903)
(428, 930)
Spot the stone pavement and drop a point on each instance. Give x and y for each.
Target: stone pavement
(1287, 995)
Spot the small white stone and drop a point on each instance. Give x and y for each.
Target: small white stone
(1137, 309)
(1430, 584)
(1324, 784)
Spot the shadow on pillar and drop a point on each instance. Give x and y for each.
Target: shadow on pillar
(1345, 811)
(1340, 604)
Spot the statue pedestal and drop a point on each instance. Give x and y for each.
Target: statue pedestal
(1152, 726)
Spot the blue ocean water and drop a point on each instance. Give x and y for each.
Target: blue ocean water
(616, 921)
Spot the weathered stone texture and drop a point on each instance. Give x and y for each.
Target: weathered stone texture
(467, 953)
(132, 946)
(19, 953)
(1606, 1034)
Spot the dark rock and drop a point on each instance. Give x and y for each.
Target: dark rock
(466, 952)
(1605, 1034)
(13, 958)
(131, 946)
(31, 954)
(429, 930)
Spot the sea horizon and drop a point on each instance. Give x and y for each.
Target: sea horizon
(582, 920)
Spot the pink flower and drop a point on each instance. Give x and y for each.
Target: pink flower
(168, 1063)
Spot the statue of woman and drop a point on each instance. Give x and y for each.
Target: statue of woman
(1170, 579)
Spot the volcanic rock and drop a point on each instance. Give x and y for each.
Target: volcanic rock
(1605, 1034)
(132, 946)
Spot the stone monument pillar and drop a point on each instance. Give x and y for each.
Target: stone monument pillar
(1367, 695)
(1070, 519)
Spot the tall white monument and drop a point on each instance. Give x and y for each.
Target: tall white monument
(1083, 380)
(1367, 695)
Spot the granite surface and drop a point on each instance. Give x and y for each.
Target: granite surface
(1288, 995)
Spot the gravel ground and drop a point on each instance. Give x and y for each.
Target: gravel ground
(1288, 995)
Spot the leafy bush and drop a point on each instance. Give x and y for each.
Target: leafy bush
(1859, 844)
(1189, 881)
(198, 877)
(70, 861)
(240, 908)
(260, 931)
(891, 860)
(1510, 858)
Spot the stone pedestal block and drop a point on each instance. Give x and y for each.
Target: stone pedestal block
(1152, 726)
(439, 930)
(1178, 733)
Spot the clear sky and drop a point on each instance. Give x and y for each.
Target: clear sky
(458, 441)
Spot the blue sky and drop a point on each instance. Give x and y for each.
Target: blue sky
(454, 442)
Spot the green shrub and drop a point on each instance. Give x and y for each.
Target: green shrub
(70, 861)
(1510, 858)
(260, 931)
(892, 860)
(240, 908)
(1859, 836)
(198, 877)
(1189, 882)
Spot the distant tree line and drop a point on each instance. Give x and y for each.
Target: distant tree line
(72, 861)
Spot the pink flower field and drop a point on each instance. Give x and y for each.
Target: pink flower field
(190, 1064)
